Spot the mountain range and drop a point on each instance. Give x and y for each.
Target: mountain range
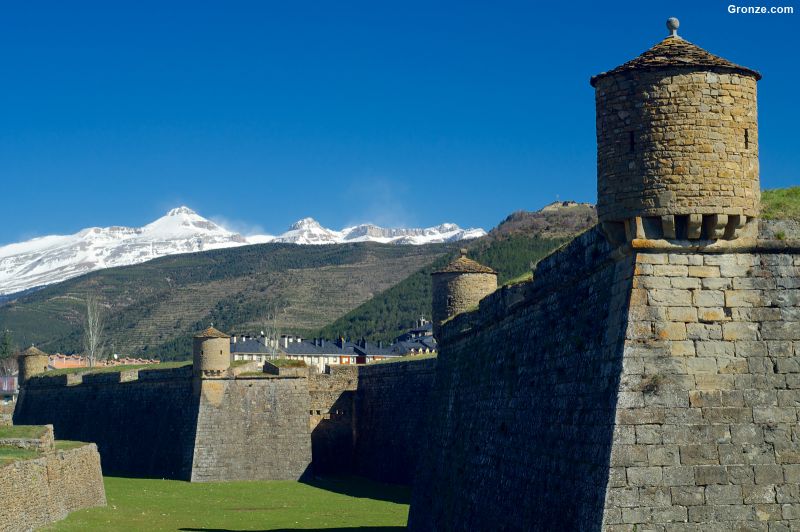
(355, 289)
(52, 259)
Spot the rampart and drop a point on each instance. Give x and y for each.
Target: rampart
(362, 415)
(392, 409)
(252, 429)
(143, 422)
(522, 412)
(642, 388)
(41, 490)
(167, 424)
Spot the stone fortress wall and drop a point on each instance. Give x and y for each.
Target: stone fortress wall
(165, 423)
(644, 388)
(706, 428)
(143, 422)
(392, 402)
(39, 491)
(369, 420)
(525, 391)
(252, 429)
(648, 382)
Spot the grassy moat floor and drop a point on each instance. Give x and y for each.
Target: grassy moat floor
(336, 503)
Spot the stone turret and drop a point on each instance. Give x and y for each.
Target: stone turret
(211, 354)
(460, 286)
(677, 144)
(32, 362)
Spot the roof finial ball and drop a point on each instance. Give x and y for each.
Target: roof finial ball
(672, 25)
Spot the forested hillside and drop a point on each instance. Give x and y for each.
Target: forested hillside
(390, 313)
(153, 308)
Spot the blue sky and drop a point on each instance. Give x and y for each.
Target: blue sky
(395, 112)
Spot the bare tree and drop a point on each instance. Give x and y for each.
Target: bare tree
(270, 332)
(93, 341)
(8, 360)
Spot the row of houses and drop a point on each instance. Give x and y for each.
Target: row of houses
(319, 352)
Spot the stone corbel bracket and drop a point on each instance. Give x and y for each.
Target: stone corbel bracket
(683, 230)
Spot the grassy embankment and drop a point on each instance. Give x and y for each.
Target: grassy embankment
(155, 505)
(115, 369)
(10, 454)
(781, 204)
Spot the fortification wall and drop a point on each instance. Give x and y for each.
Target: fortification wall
(706, 426)
(39, 491)
(634, 390)
(369, 420)
(332, 418)
(252, 429)
(522, 410)
(154, 423)
(142, 422)
(392, 404)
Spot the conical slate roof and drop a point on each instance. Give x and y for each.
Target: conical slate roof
(674, 51)
(211, 332)
(462, 264)
(33, 352)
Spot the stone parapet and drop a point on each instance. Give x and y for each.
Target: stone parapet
(45, 442)
(43, 490)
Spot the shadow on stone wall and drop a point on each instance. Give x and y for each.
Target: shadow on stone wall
(524, 401)
(340, 529)
(143, 429)
(332, 438)
(371, 419)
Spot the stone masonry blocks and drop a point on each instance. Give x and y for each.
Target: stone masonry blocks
(678, 141)
(701, 380)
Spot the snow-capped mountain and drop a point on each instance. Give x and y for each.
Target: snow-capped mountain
(309, 231)
(52, 259)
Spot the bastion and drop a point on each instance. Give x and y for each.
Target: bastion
(223, 423)
(648, 376)
(56, 478)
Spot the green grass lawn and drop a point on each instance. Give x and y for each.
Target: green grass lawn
(12, 454)
(115, 369)
(405, 358)
(287, 363)
(781, 203)
(22, 431)
(326, 504)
